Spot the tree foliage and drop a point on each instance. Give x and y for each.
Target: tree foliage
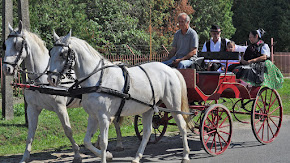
(272, 16)
(108, 23)
(61, 16)
(208, 12)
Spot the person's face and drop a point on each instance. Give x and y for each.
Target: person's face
(253, 39)
(231, 47)
(183, 24)
(215, 35)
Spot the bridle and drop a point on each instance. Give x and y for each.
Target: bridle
(18, 57)
(24, 45)
(69, 58)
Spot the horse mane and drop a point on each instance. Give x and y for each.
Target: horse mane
(90, 48)
(36, 38)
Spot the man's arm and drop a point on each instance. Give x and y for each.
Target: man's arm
(188, 56)
(172, 52)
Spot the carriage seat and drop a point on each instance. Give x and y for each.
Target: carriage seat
(219, 55)
(207, 81)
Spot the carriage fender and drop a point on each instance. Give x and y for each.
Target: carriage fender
(233, 90)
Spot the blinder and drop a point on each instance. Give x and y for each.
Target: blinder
(69, 57)
(3, 46)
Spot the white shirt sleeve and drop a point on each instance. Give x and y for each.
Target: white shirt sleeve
(204, 48)
(239, 48)
(265, 50)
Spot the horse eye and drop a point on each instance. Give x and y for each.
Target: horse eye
(63, 55)
(18, 45)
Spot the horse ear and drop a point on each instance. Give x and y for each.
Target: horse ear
(20, 27)
(55, 36)
(66, 38)
(10, 28)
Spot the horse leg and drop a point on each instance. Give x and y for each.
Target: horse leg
(64, 119)
(32, 115)
(147, 128)
(104, 130)
(182, 128)
(91, 129)
(119, 146)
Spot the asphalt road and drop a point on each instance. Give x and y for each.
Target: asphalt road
(244, 148)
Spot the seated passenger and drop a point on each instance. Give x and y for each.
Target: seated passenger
(184, 46)
(254, 67)
(231, 47)
(217, 44)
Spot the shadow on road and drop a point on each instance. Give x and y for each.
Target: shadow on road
(167, 149)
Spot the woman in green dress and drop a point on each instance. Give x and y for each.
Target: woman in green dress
(255, 66)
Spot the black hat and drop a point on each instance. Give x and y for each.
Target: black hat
(215, 28)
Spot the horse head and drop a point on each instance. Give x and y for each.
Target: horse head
(15, 47)
(61, 60)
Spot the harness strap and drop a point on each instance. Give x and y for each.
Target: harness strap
(77, 82)
(70, 101)
(151, 85)
(24, 45)
(125, 91)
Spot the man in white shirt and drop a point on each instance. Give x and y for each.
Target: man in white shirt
(218, 44)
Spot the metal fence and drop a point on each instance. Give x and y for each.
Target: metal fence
(136, 59)
(282, 61)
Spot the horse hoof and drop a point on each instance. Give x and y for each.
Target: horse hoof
(23, 161)
(119, 149)
(185, 161)
(109, 156)
(77, 160)
(135, 161)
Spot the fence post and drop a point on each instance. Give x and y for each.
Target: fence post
(272, 50)
(7, 92)
(23, 15)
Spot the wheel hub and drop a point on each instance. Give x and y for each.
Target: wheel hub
(156, 121)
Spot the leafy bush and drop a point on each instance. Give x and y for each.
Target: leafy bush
(19, 110)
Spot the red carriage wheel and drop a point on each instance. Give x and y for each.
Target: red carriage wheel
(195, 118)
(266, 115)
(159, 124)
(242, 110)
(216, 129)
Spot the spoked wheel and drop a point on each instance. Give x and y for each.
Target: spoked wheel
(196, 117)
(242, 110)
(266, 116)
(195, 120)
(159, 124)
(216, 129)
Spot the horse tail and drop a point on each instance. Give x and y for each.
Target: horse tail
(184, 99)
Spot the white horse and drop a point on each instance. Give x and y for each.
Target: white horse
(22, 45)
(168, 85)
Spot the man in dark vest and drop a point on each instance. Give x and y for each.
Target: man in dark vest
(217, 44)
